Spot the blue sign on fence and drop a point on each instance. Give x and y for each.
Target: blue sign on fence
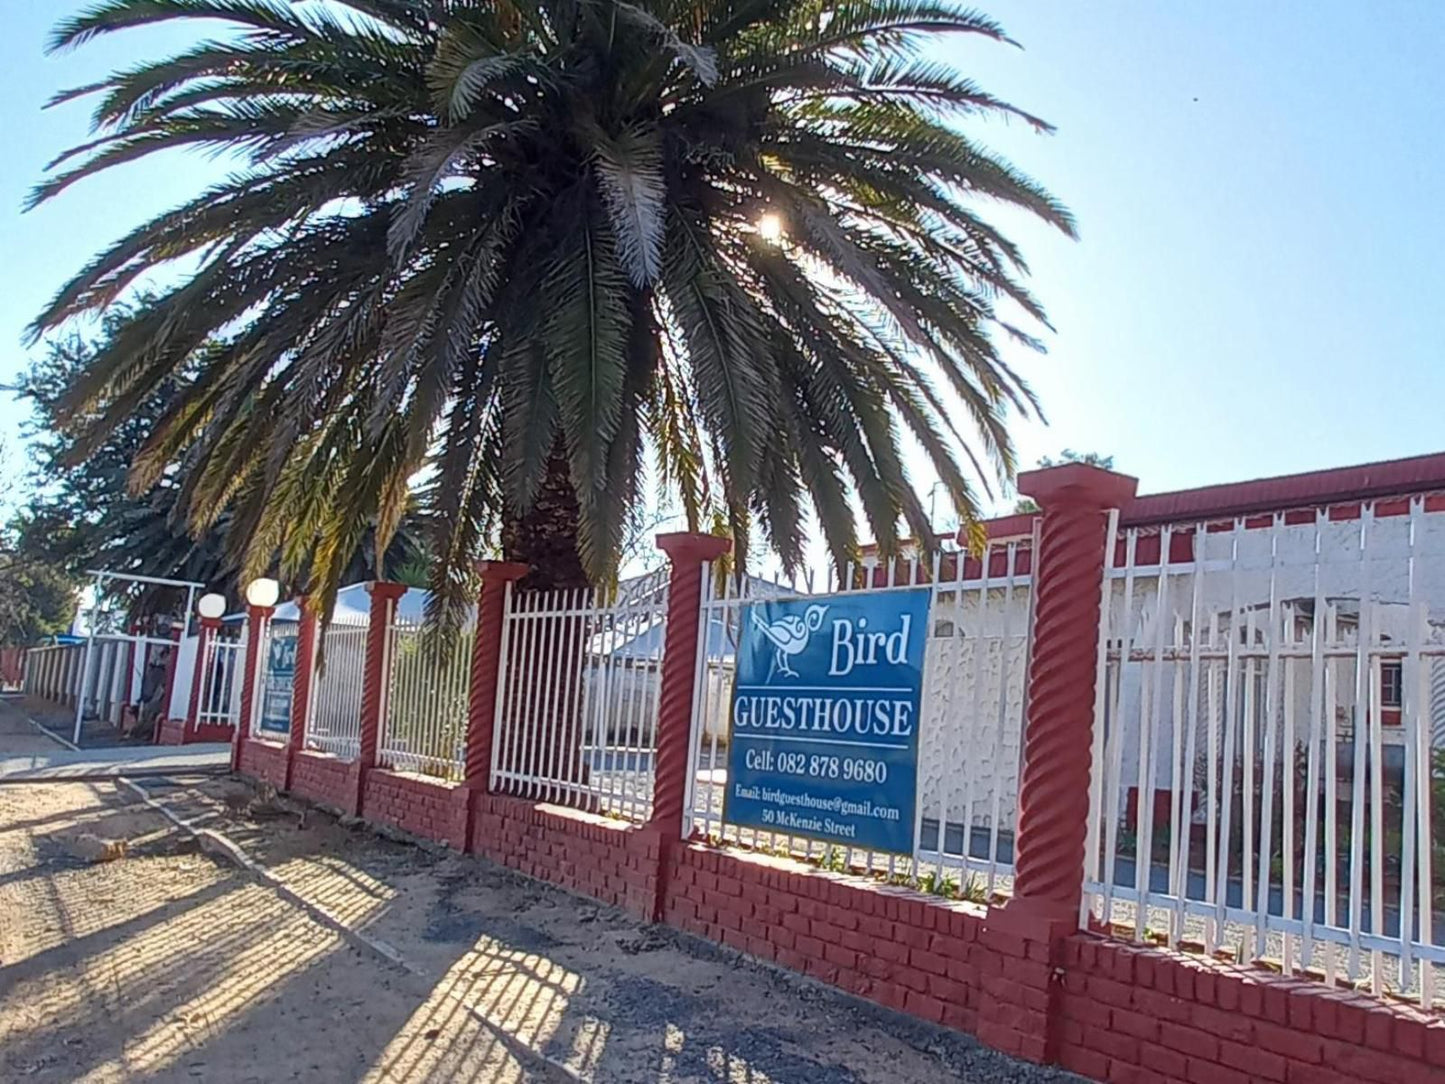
(825, 717)
(278, 679)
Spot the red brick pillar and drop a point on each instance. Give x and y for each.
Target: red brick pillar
(686, 552)
(482, 699)
(204, 638)
(486, 668)
(257, 620)
(1020, 1009)
(384, 596)
(308, 628)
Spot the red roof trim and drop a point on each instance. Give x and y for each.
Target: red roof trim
(1399, 477)
(1313, 489)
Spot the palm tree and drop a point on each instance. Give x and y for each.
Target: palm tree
(525, 248)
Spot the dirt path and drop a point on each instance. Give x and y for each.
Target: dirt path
(166, 965)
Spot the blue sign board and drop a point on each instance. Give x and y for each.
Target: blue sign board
(825, 717)
(278, 679)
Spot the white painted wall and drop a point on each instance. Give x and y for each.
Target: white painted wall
(185, 674)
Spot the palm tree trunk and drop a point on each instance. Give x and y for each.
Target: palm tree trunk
(545, 537)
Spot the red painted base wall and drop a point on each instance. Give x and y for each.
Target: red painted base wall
(172, 732)
(265, 760)
(1115, 1012)
(423, 807)
(1141, 1014)
(898, 948)
(325, 780)
(607, 860)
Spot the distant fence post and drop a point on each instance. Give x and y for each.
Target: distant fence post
(172, 662)
(128, 687)
(384, 596)
(1019, 1015)
(204, 638)
(257, 618)
(686, 553)
(306, 632)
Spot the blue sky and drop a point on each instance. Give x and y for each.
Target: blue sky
(1256, 290)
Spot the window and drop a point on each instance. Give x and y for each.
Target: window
(1392, 687)
(1392, 682)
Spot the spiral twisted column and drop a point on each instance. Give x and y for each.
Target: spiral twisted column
(306, 632)
(486, 668)
(1058, 729)
(257, 618)
(373, 683)
(687, 553)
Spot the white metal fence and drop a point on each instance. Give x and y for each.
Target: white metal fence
(51, 672)
(1269, 769)
(335, 723)
(576, 719)
(107, 673)
(970, 727)
(424, 722)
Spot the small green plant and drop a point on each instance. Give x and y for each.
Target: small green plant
(973, 890)
(936, 885)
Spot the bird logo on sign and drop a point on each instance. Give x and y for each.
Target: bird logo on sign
(790, 634)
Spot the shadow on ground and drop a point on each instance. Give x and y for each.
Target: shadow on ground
(166, 966)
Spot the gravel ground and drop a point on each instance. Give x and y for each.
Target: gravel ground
(165, 965)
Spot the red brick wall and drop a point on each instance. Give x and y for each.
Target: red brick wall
(172, 731)
(581, 852)
(899, 948)
(265, 760)
(424, 807)
(1140, 1014)
(324, 779)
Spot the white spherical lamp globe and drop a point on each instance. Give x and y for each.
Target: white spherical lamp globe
(263, 592)
(211, 605)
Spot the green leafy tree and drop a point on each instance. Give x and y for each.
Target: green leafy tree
(1068, 455)
(529, 247)
(36, 598)
(80, 515)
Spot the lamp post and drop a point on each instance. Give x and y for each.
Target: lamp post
(262, 593)
(261, 596)
(209, 609)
